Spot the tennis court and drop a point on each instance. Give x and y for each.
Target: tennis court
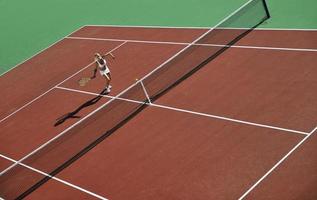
(240, 126)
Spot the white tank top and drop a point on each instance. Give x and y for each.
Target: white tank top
(102, 67)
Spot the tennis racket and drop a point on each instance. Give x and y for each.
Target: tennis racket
(84, 81)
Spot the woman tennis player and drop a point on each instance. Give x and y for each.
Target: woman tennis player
(104, 70)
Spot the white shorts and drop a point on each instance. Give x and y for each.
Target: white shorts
(104, 72)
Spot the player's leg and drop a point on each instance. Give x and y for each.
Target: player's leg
(109, 80)
(107, 76)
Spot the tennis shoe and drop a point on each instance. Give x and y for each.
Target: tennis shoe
(108, 90)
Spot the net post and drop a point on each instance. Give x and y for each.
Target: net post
(266, 8)
(145, 92)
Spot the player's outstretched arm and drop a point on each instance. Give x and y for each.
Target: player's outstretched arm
(95, 71)
(112, 56)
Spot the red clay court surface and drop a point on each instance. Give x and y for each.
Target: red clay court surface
(242, 127)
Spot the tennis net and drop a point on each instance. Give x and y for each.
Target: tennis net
(216, 42)
(52, 157)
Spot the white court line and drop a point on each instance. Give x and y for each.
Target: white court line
(30, 102)
(197, 44)
(149, 26)
(132, 41)
(191, 112)
(128, 88)
(232, 120)
(55, 178)
(146, 26)
(277, 164)
(95, 94)
(195, 27)
(40, 51)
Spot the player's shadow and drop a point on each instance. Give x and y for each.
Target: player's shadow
(72, 114)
